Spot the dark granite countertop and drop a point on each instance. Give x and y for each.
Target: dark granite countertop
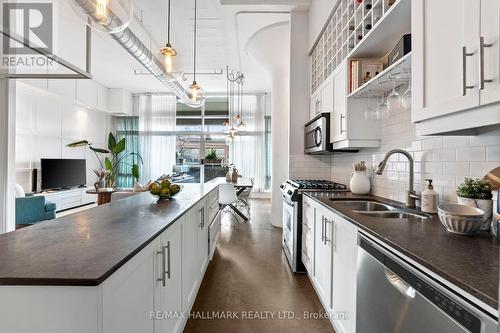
(87, 247)
(468, 262)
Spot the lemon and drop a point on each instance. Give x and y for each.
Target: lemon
(174, 188)
(165, 184)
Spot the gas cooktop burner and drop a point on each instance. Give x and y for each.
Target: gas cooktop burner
(312, 184)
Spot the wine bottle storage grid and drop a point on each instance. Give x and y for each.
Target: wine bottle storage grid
(351, 21)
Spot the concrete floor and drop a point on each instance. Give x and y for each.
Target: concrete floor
(250, 278)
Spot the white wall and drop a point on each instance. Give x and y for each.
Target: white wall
(46, 123)
(319, 11)
(7, 147)
(271, 47)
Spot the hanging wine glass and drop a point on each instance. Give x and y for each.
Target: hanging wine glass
(382, 108)
(406, 99)
(394, 102)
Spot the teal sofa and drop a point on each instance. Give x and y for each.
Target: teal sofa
(33, 209)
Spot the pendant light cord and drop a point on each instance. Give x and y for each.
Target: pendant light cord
(195, 18)
(168, 25)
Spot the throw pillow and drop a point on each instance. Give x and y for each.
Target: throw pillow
(20, 191)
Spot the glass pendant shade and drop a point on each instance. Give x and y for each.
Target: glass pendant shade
(169, 53)
(112, 16)
(196, 93)
(229, 139)
(241, 126)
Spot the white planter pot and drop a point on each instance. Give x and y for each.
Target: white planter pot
(485, 205)
(360, 183)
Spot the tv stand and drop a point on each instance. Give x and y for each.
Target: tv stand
(68, 198)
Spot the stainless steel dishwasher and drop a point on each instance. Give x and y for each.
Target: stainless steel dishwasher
(393, 296)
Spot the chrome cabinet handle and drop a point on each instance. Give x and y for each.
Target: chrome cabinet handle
(327, 240)
(202, 222)
(162, 279)
(482, 46)
(465, 54)
(322, 229)
(342, 117)
(168, 262)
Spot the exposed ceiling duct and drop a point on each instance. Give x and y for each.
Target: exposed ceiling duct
(133, 45)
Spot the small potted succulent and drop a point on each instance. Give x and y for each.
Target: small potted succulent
(477, 193)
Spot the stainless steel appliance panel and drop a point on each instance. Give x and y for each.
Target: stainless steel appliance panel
(394, 297)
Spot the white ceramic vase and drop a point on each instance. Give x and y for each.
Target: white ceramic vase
(485, 205)
(360, 183)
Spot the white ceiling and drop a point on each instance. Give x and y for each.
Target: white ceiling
(223, 32)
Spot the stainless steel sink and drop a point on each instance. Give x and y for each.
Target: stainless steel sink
(378, 209)
(396, 214)
(365, 205)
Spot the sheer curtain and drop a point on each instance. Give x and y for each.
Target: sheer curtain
(248, 146)
(156, 139)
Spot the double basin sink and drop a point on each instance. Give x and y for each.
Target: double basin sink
(378, 209)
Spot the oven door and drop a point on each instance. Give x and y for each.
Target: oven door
(289, 219)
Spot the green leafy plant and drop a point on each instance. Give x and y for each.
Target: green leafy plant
(211, 155)
(111, 158)
(475, 189)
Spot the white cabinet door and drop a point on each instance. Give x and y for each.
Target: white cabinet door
(308, 216)
(490, 34)
(168, 291)
(338, 121)
(203, 224)
(327, 95)
(445, 57)
(323, 256)
(315, 104)
(190, 271)
(345, 250)
(128, 294)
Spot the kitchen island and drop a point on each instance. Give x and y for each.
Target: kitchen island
(107, 269)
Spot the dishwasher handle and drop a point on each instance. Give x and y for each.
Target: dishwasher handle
(398, 283)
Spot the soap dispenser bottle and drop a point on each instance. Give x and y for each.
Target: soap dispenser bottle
(430, 198)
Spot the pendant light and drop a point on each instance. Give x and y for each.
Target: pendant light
(241, 126)
(168, 52)
(195, 93)
(112, 16)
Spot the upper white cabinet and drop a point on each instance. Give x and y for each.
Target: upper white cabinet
(455, 66)
(490, 46)
(120, 101)
(322, 99)
(349, 128)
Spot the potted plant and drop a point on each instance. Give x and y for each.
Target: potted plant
(477, 193)
(114, 156)
(211, 157)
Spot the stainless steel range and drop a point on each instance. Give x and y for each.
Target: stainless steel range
(292, 215)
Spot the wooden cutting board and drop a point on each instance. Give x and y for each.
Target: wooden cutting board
(493, 177)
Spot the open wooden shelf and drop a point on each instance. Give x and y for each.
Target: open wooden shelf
(399, 72)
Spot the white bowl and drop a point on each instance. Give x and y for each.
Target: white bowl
(460, 219)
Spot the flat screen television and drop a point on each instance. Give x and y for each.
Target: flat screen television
(63, 173)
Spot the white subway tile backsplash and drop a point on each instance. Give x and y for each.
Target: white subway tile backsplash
(444, 155)
(493, 153)
(445, 159)
(471, 154)
(455, 141)
(433, 143)
(457, 168)
(480, 169)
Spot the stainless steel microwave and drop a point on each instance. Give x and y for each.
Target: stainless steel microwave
(317, 135)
